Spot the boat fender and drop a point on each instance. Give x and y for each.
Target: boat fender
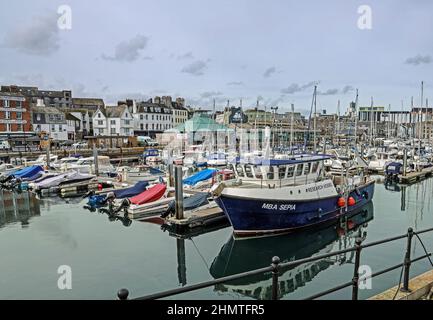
(341, 202)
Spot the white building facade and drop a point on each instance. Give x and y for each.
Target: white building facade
(113, 121)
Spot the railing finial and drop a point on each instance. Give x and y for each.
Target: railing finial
(123, 294)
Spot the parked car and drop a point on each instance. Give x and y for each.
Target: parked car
(80, 145)
(147, 141)
(67, 143)
(4, 145)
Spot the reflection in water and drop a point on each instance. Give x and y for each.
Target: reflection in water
(243, 255)
(17, 207)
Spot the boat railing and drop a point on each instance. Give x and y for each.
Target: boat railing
(276, 266)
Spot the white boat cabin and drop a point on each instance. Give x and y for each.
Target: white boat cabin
(276, 173)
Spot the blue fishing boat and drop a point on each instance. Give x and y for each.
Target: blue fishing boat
(276, 196)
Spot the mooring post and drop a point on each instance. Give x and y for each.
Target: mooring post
(95, 158)
(407, 262)
(275, 271)
(404, 162)
(355, 278)
(178, 192)
(122, 294)
(48, 153)
(170, 175)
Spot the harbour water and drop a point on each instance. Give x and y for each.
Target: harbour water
(38, 236)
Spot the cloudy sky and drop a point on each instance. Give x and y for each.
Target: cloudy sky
(274, 50)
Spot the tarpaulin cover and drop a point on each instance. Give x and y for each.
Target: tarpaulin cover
(195, 201)
(152, 194)
(138, 188)
(27, 172)
(96, 200)
(34, 177)
(199, 176)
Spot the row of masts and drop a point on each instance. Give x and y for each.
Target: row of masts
(313, 116)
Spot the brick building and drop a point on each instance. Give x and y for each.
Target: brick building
(15, 114)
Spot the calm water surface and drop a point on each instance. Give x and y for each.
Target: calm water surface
(37, 236)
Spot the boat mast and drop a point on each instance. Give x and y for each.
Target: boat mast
(314, 119)
(291, 128)
(388, 118)
(371, 122)
(338, 122)
(356, 118)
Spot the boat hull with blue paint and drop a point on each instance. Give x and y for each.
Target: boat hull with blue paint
(252, 216)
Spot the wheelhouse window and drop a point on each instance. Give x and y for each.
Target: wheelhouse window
(282, 172)
(271, 173)
(315, 166)
(239, 170)
(307, 168)
(249, 171)
(299, 168)
(290, 171)
(258, 172)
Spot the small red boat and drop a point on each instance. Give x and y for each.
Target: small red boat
(152, 194)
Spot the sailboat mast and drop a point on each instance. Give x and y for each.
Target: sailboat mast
(371, 121)
(338, 122)
(291, 128)
(356, 118)
(314, 119)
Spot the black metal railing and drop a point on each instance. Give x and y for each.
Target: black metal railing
(276, 266)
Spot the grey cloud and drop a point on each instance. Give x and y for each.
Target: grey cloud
(128, 50)
(195, 68)
(269, 72)
(295, 87)
(185, 56)
(209, 94)
(235, 83)
(419, 59)
(347, 89)
(41, 37)
(329, 92)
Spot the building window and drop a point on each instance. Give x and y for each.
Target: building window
(8, 127)
(19, 127)
(141, 126)
(113, 131)
(99, 114)
(6, 104)
(18, 104)
(7, 115)
(141, 117)
(60, 127)
(146, 116)
(19, 115)
(113, 122)
(38, 117)
(127, 122)
(53, 127)
(100, 122)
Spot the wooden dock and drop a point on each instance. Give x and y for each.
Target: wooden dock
(413, 177)
(198, 218)
(421, 288)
